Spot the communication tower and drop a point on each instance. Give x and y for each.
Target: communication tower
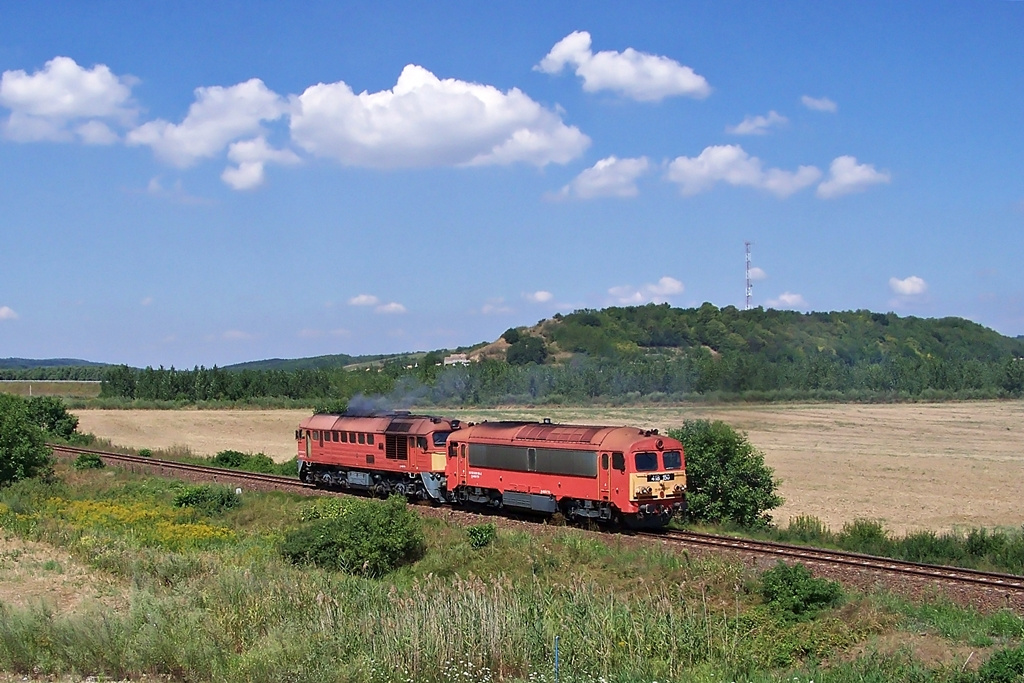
(750, 285)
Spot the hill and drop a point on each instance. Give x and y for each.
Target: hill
(30, 364)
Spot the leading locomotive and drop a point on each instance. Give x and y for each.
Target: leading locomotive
(618, 475)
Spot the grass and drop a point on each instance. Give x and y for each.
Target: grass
(69, 389)
(233, 609)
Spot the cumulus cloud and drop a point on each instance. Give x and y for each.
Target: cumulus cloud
(392, 307)
(637, 75)
(788, 300)
(757, 125)
(819, 104)
(7, 313)
(757, 273)
(237, 335)
(539, 297)
(63, 100)
(251, 156)
(428, 121)
(146, 301)
(731, 164)
(847, 176)
(364, 300)
(909, 286)
(659, 292)
(218, 116)
(609, 177)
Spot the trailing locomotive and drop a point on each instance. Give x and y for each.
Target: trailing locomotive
(604, 474)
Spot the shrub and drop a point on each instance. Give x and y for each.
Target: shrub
(50, 413)
(232, 459)
(727, 479)
(511, 335)
(865, 536)
(369, 538)
(794, 592)
(482, 535)
(806, 529)
(23, 450)
(145, 453)
(207, 498)
(88, 461)
(1005, 666)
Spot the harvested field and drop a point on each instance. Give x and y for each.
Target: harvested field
(912, 466)
(65, 388)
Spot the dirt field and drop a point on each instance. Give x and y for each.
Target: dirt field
(912, 466)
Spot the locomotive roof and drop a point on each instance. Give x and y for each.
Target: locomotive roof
(601, 436)
(391, 422)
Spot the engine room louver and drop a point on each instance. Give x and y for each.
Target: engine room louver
(557, 433)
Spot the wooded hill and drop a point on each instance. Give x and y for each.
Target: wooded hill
(652, 353)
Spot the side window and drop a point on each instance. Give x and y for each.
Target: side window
(351, 437)
(362, 437)
(334, 436)
(316, 435)
(421, 443)
(531, 459)
(344, 437)
(618, 462)
(453, 450)
(369, 439)
(462, 450)
(369, 458)
(604, 461)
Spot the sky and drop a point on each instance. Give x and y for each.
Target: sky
(186, 183)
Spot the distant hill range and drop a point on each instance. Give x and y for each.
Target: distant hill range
(31, 364)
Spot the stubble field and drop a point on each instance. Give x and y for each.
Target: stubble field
(911, 466)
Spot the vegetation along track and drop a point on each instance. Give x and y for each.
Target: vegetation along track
(978, 588)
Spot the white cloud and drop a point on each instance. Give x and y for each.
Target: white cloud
(819, 104)
(392, 307)
(731, 164)
(609, 177)
(788, 300)
(251, 156)
(146, 301)
(63, 100)
(364, 300)
(496, 306)
(659, 292)
(310, 333)
(637, 75)
(175, 193)
(910, 286)
(757, 273)
(218, 116)
(539, 297)
(847, 176)
(7, 313)
(237, 335)
(757, 125)
(427, 121)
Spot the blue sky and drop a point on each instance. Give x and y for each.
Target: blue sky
(185, 185)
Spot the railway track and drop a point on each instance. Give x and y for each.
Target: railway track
(1006, 583)
(197, 472)
(785, 551)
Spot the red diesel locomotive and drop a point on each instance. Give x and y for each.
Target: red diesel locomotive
(604, 474)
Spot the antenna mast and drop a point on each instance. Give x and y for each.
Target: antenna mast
(750, 286)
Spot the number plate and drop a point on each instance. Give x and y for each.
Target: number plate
(661, 477)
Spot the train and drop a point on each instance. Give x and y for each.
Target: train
(624, 476)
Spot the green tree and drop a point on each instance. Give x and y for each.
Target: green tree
(727, 479)
(511, 335)
(23, 451)
(50, 413)
(526, 350)
(1013, 376)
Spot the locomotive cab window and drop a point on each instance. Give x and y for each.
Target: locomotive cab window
(440, 438)
(453, 450)
(646, 462)
(673, 460)
(618, 462)
(421, 443)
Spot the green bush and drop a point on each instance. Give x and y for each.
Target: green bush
(482, 535)
(207, 498)
(1005, 666)
(145, 453)
(23, 450)
(249, 462)
(865, 536)
(726, 477)
(794, 592)
(368, 537)
(88, 461)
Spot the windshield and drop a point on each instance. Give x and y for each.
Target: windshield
(440, 438)
(646, 462)
(673, 460)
